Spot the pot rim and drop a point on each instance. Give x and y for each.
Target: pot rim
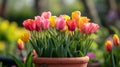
(74, 60)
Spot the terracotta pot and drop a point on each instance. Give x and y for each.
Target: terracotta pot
(61, 62)
(94, 64)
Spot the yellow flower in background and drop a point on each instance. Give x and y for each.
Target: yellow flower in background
(116, 40)
(76, 15)
(52, 21)
(25, 37)
(4, 25)
(2, 46)
(81, 22)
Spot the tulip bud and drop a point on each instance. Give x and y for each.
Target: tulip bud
(34, 53)
(116, 40)
(24, 59)
(20, 44)
(108, 45)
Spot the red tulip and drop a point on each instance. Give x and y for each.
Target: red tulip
(116, 40)
(46, 15)
(71, 25)
(108, 45)
(29, 24)
(20, 44)
(60, 23)
(89, 28)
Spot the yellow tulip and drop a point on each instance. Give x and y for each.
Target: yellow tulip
(20, 44)
(116, 40)
(66, 17)
(52, 21)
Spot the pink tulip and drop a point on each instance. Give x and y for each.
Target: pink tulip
(71, 25)
(37, 21)
(41, 23)
(89, 28)
(46, 15)
(29, 24)
(60, 23)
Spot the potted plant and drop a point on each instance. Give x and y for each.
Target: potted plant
(60, 41)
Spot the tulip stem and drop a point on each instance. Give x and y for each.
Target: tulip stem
(113, 60)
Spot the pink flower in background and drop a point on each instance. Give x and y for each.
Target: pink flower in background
(89, 28)
(60, 23)
(71, 25)
(91, 55)
(46, 15)
(29, 24)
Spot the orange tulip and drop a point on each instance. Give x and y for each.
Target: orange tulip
(20, 44)
(116, 40)
(108, 45)
(25, 37)
(81, 22)
(76, 15)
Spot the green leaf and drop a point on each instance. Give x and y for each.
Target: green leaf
(29, 60)
(18, 62)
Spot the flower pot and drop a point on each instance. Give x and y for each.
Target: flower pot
(61, 62)
(94, 64)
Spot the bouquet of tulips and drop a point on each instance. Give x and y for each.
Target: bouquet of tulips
(112, 57)
(63, 36)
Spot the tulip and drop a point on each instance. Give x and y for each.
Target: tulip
(52, 21)
(81, 22)
(20, 44)
(76, 15)
(108, 45)
(46, 15)
(66, 17)
(45, 24)
(41, 23)
(25, 37)
(29, 24)
(71, 25)
(116, 40)
(60, 23)
(24, 59)
(89, 28)
(34, 53)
